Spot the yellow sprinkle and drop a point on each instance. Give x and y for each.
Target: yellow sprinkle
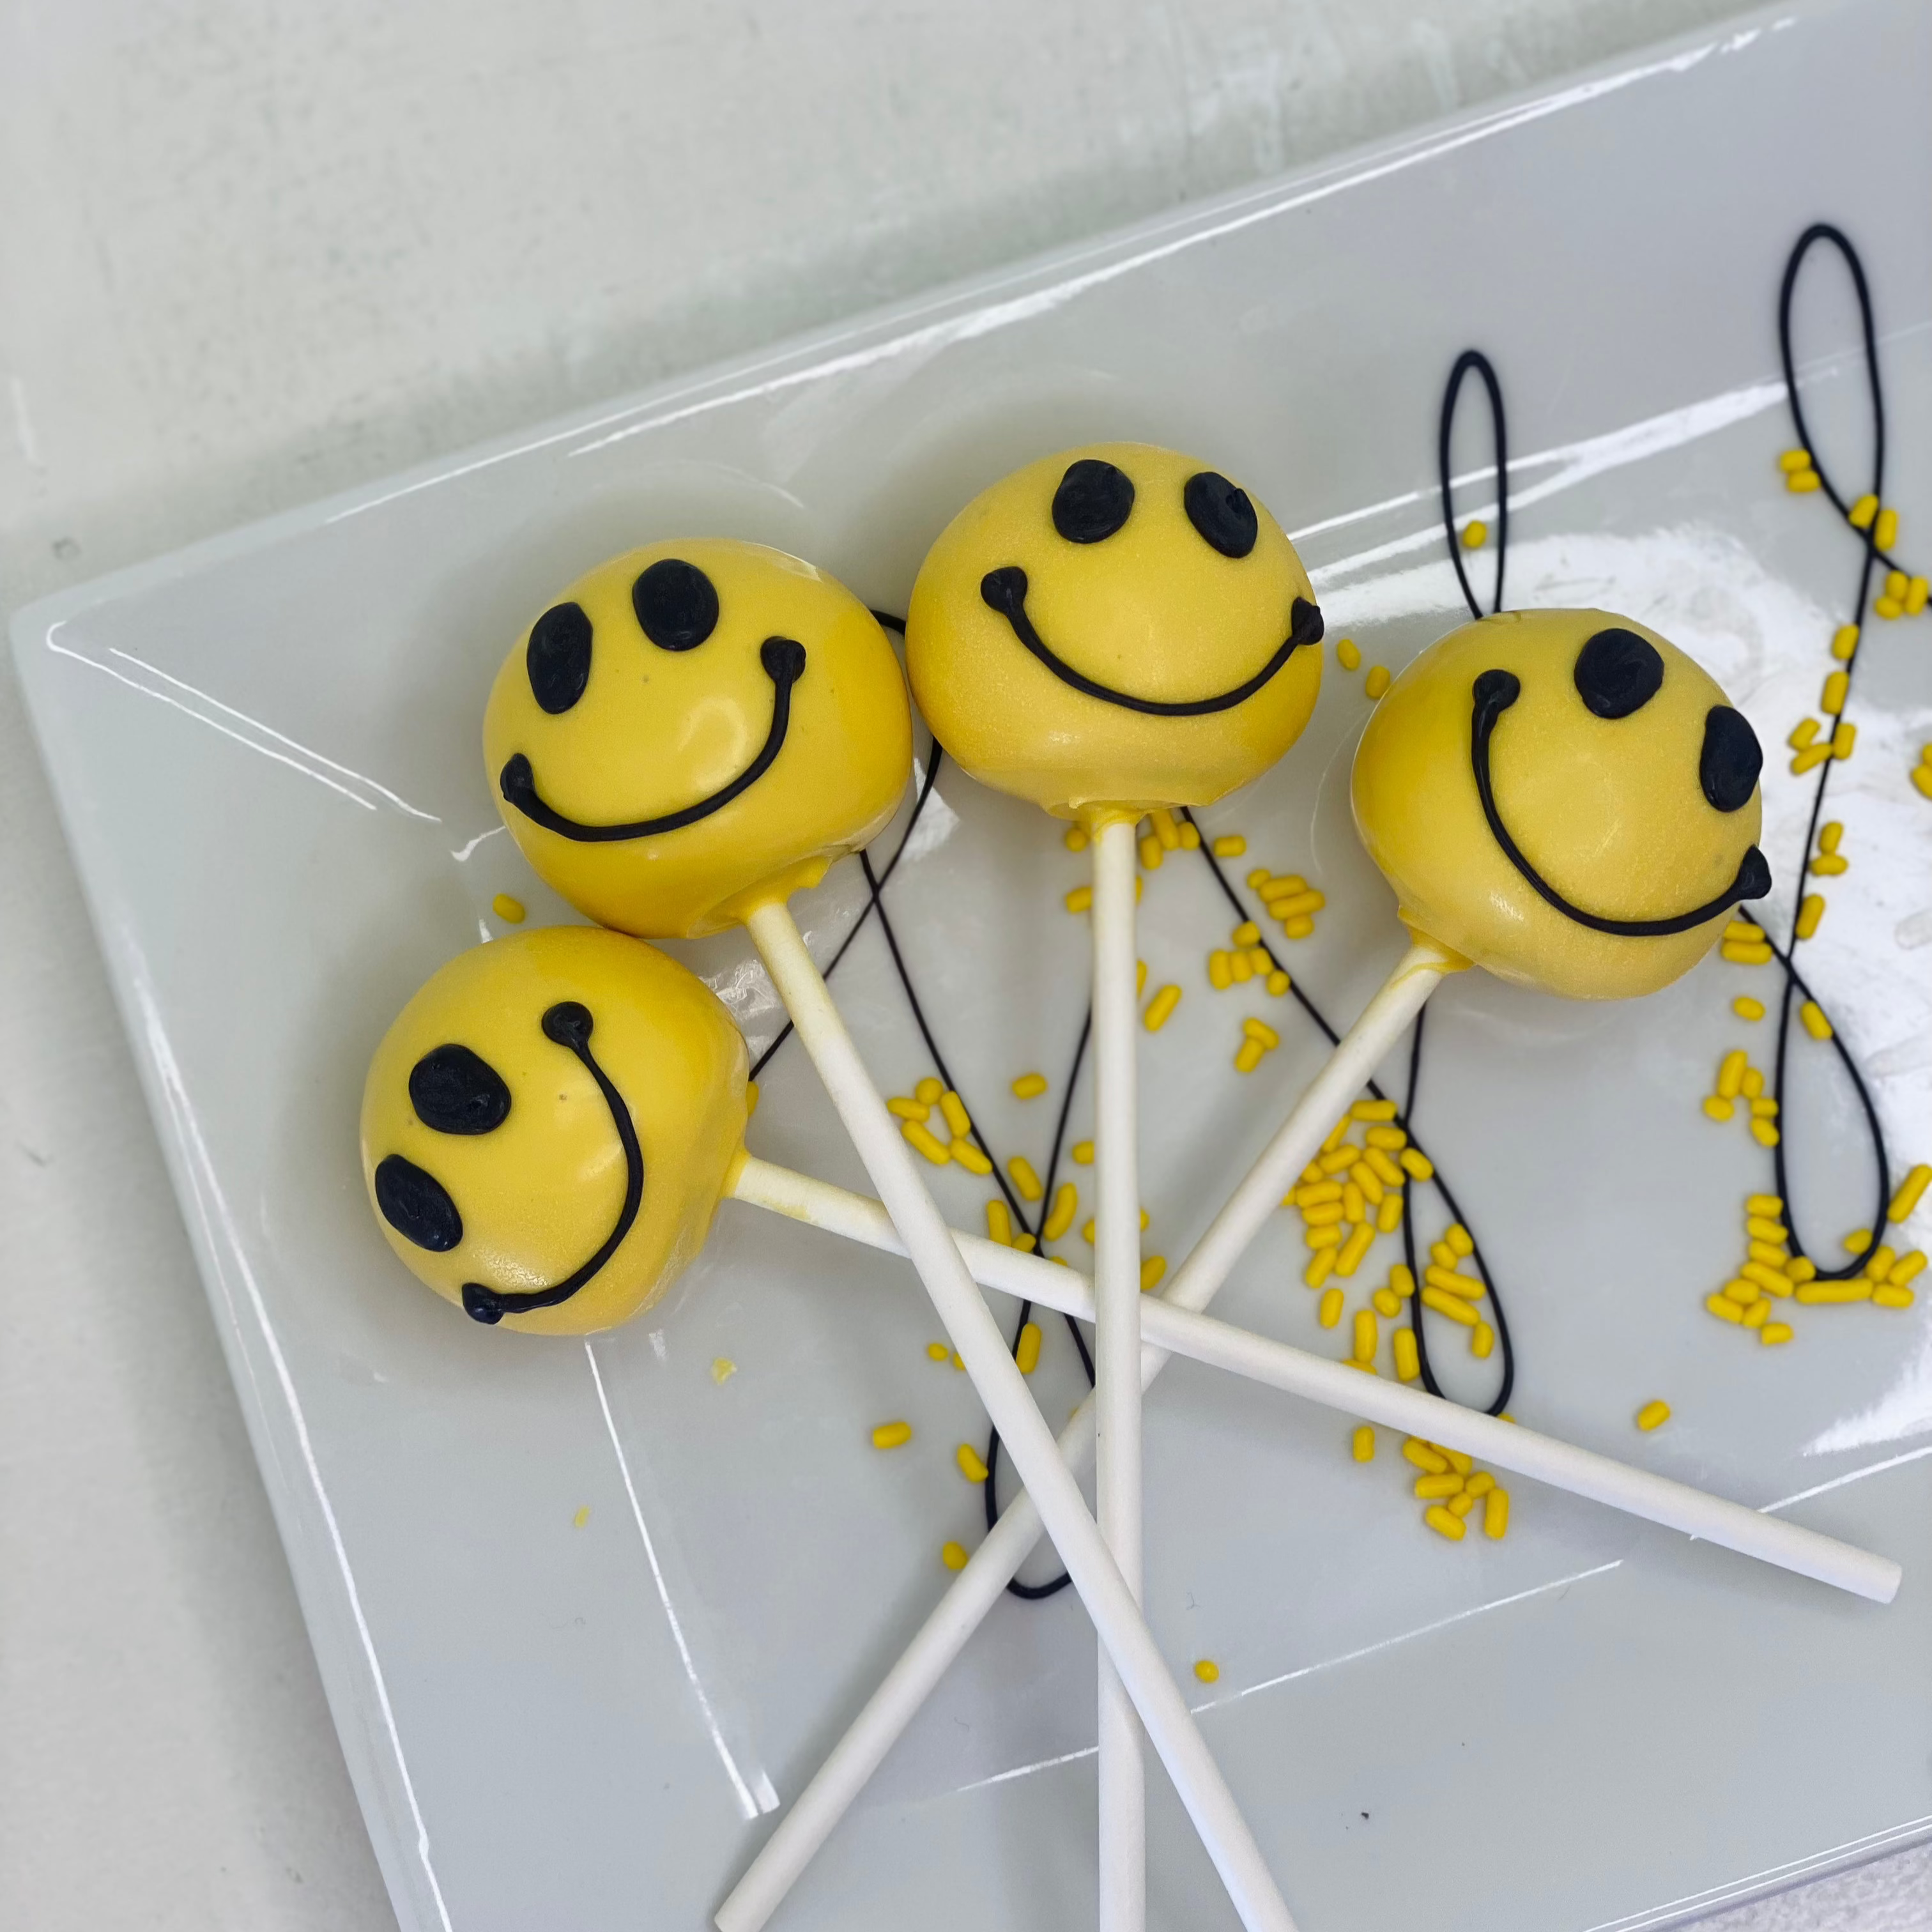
(1829, 835)
(1160, 1008)
(1074, 839)
(1030, 1086)
(1367, 1335)
(1810, 910)
(1844, 642)
(1152, 1269)
(1208, 1670)
(1762, 1228)
(1362, 1444)
(1402, 1281)
(1026, 1350)
(1367, 1181)
(1769, 1205)
(1260, 961)
(1440, 1520)
(909, 1110)
(938, 1351)
(1407, 1364)
(1803, 1269)
(1479, 1485)
(1444, 1256)
(1452, 1306)
(1482, 1339)
(1220, 971)
(1319, 1269)
(1330, 1311)
(1260, 1030)
(1892, 1296)
(1427, 1488)
(1800, 459)
(1829, 865)
(1249, 1057)
(1916, 590)
(1718, 1109)
(1277, 982)
(953, 1555)
(1459, 1239)
(1066, 1205)
(1908, 1268)
(1451, 1282)
(1765, 1134)
(1377, 681)
(1844, 739)
(1833, 701)
(1245, 934)
(1745, 955)
(954, 1109)
(1802, 482)
(1495, 1514)
(1086, 1232)
(999, 1222)
(1388, 1216)
(1024, 1178)
(1460, 1505)
(971, 1466)
(969, 1157)
(1415, 1164)
(1757, 1314)
(1337, 1134)
(1346, 654)
(1773, 1333)
(1080, 899)
(1743, 1291)
(1810, 758)
(723, 1369)
(1475, 534)
(1326, 1236)
(929, 1090)
(1385, 1140)
(1388, 1303)
(1229, 845)
(1878, 1265)
(1812, 1292)
(1425, 1456)
(1723, 1308)
(1763, 1109)
(1746, 1008)
(582, 1516)
(1731, 1073)
(1082, 1155)
(1815, 1024)
(1377, 1111)
(1151, 853)
(1910, 1189)
(953, 1355)
(1860, 515)
(750, 1098)
(1653, 1415)
(1885, 532)
(1754, 1084)
(506, 908)
(1165, 829)
(1320, 1213)
(1290, 910)
(891, 1436)
(1314, 1193)
(1803, 733)
(1240, 967)
(1353, 1250)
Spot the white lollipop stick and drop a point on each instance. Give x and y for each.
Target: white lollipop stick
(930, 1246)
(1117, 1355)
(1277, 1365)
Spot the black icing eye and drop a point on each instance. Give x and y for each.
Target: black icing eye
(676, 604)
(1618, 673)
(1093, 502)
(456, 1091)
(1731, 759)
(558, 657)
(1221, 513)
(417, 1205)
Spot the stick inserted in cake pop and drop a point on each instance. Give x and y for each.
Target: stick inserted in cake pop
(1108, 632)
(684, 801)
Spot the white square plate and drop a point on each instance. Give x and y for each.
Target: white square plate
(265, 752)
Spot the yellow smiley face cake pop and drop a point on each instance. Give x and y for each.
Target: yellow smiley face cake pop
(1118, 625)
(548, 1126)
(1565, 798)
(693, 721)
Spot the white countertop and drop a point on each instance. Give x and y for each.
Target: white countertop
(249, 254)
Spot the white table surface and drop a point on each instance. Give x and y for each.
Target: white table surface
(250, 253)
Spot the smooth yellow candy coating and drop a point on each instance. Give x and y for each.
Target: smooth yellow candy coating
(1611, 811)
(1152, 611)
(657, 730)
(540, 1192)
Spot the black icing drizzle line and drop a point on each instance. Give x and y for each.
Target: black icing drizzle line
(1494, 692)
(569, 1024)
(1405, 1120)
(1469, 359)
(1871, 557)
(1005, 590)
(783, 659)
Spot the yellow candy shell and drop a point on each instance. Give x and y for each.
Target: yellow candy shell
(1611, 812)
(1152, 611)
(658, 731)
(539, 1194)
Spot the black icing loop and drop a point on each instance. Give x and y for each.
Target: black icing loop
(1469, 359)
(784, 662)
(1005, 590)
(569, 1024)
(1494, 692)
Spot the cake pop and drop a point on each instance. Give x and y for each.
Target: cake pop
(1106, 631)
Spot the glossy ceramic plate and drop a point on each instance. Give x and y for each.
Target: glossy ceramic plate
(265, 750)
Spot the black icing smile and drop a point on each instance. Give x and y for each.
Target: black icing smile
(569, 1024)
(1496, 692)
(1005, 591)
(784, 662)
